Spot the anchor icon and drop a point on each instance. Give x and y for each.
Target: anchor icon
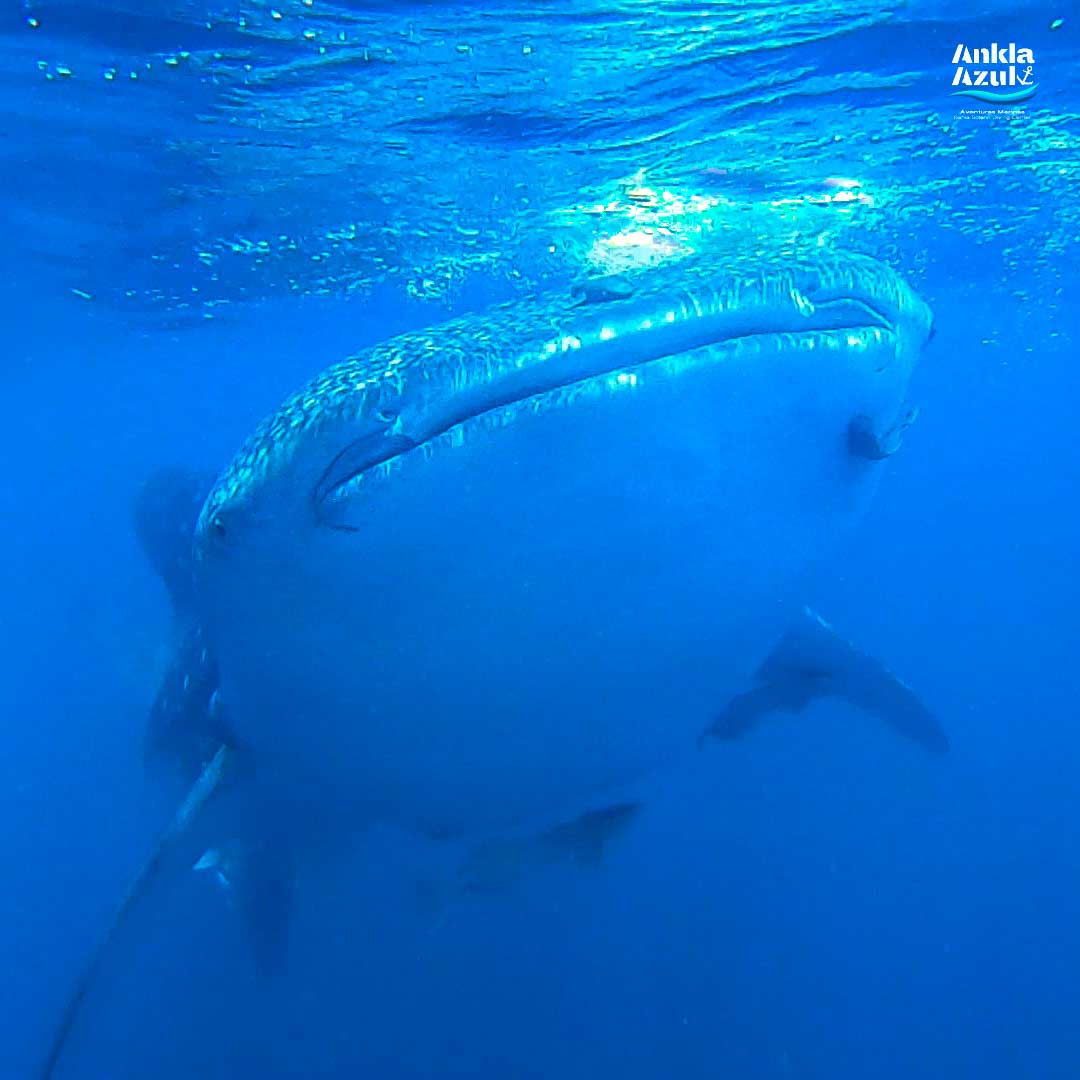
(1026, 77)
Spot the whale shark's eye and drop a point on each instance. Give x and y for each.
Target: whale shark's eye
(217, 528)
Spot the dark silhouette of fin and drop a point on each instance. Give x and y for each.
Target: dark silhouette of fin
(259, 880)
(812, 661)
(584, 839)
(164, 514)
(207, 784)
(500, 862)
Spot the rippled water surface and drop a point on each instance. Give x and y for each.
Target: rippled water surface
(198, 157)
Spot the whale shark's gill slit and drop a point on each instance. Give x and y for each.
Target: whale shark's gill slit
(365, 453)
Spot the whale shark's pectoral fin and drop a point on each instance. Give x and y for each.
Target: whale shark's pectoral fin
(812, 661)
(259, 879)
(584, 840)
(498, 863)
(164, 513)
(865, 440)
(210, 780)
(791, 693)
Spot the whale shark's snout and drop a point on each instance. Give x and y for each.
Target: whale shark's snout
(414, 389)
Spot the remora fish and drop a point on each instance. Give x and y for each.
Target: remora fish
(477, 578)
(479, 575)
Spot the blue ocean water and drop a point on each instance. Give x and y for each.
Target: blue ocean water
(205, 205)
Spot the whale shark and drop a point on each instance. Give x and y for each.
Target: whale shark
(481, 580)
(481, 575)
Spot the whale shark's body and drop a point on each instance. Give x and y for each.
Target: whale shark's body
(485, 574)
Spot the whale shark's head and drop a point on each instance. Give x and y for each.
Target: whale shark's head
(544, 511)
(431, 390)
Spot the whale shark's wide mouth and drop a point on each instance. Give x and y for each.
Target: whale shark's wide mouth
(410, 391)
(581, 359)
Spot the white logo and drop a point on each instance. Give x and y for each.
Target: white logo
(998, 73)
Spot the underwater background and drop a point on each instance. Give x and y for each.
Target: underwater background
(205, 204)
